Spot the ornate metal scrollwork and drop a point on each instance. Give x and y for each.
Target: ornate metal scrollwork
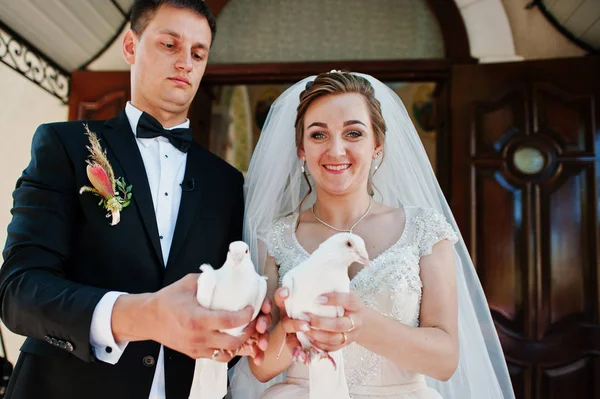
(29, 62)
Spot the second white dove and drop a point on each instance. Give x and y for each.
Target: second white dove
(232, 287)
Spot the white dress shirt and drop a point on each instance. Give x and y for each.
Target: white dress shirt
(165, 168)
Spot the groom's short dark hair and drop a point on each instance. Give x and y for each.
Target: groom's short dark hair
(143, 11)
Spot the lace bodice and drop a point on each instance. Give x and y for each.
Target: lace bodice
(390, 285)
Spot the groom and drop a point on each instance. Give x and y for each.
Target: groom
(110, 310)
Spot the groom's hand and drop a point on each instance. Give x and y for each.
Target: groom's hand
(258, 342)
(180, 323)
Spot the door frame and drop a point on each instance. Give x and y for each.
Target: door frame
(438, 71)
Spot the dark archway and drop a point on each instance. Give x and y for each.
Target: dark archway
(456, 51)
(452, 27)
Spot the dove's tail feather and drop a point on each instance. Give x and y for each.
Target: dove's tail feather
(210, 380)
(206, 267)
(236, 331)
(327, 381)
(304, 341)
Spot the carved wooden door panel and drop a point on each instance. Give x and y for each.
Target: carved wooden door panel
(98, 95)
(525, 142)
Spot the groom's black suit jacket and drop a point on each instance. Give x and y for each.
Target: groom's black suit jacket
(62, 256)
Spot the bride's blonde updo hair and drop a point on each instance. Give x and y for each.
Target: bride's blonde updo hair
(335, 83)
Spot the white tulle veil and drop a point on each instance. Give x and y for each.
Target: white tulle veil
(274, 188)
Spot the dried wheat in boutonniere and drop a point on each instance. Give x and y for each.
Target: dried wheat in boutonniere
(114, 194)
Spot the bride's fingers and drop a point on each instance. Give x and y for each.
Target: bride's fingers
(327, 340)
(262, 323)
(333, 324)
(254, 352)
(326, 347)
(347, 300)
(263, 342)
(267, 306)
(293, 341)
(291, 326)
(258, 358)
(280, 296)
(247, 350)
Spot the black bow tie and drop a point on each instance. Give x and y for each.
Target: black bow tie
(149, 128)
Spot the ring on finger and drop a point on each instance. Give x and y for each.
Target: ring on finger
(345, 338)
(353, 326)
(215, 354)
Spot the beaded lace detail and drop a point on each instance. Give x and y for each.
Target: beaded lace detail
(391, 284)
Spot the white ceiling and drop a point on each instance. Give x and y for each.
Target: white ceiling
(74, 32)
(581, 18)
(69, 32)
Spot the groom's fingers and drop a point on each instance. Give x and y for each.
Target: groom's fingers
(190, 282)
(223, 320)
(262, 323)
(225, 341)
(223, 357)
(267, 306)
(250, 328)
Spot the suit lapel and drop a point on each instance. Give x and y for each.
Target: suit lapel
(121, 141)
(190, 199)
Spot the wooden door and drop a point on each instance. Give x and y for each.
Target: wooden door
(525, 171)
(97, 95)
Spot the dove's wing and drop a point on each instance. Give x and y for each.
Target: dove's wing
(295, 304)
(206, 286)
(260, 295)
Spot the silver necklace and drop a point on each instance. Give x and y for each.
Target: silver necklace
(344, 230)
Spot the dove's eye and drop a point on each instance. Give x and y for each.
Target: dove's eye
(348, 244)
(246, 251)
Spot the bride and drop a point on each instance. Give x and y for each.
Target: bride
(416, 323)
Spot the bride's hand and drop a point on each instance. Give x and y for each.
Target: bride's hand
(289, 326)
(333, 333)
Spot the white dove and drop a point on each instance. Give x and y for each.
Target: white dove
(326, 270)
(232, 287)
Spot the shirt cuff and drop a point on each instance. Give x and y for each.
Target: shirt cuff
(103, 342)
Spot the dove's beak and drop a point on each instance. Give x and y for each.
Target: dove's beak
(364, 260)
(239, 259)
(235, 258)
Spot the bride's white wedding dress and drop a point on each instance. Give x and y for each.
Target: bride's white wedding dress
(390, 285)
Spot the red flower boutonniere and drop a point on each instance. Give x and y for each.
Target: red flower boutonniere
(114, 194)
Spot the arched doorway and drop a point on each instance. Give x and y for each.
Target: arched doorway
(534, 239)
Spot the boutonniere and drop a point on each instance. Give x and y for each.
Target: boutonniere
(114, 194)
